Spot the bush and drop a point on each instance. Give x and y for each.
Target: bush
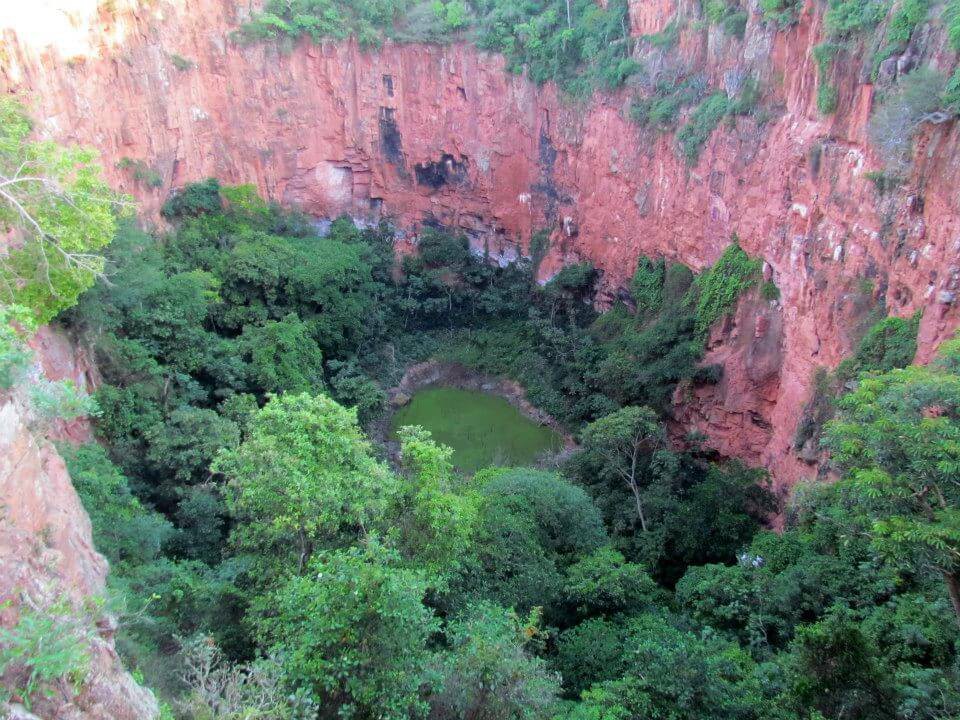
(769, 291)
(827, 98)
(142, 173)
(194, 199)
(46, 651)
(951, 93)
(900, 114)
(647, 285)
(666, 38)
(847, 17)
(704, 120)
(951, 17)
(882, 181)
(663, 107)
(218, 688)
(781, 12)
(181, 63)
(60, 400)
(729, 16)
(719, 287)
(905, 20)
(890, 343)
(15, 356)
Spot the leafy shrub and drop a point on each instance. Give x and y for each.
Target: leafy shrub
(824, 54)
(728, 15)
(890, 343)
(354, 632)
(490, 647)
(15, 356)
(61, 212)
(666, 38)
(827, 98)
(703, 121)
(663, 107)
(735, 23)
(590, 652)
(899, 115)
(142, 173)
(951, 93)
(46, 650)
(218, 688)
(844, 18)
(745, 103)
(194, 199)
(769, 291)
(125, 531)
(884, 182)
(60, 400)
(579, 44)
(781, 12)
(719, 287)
(951, 17)
(319, 19)
(181, 63)
(646, 287)
(909, 14)
(604, 583)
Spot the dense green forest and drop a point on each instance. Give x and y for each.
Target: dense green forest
(270, 560)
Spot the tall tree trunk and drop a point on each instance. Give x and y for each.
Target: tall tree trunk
(953, 589)
(632, 482)
(636, 497)
(569, 16)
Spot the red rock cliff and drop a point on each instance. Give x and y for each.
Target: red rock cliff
(418, 132)
(47, 558)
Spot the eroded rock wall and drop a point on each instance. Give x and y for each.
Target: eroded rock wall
(422, 133)
(48, 560)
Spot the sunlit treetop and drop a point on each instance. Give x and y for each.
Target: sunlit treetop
(57, 212)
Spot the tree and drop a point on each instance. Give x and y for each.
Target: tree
(567, 522)
(488, 674)
(898, 442)
(622, 438)
(836, 672)
(605, 583)
(304, 475)
(898, 118)
(283, 357)
(126, 532)
(218, 688)
(60, 211)
(434, 518)
(591, 652)
(352, 387)
(182, 447)
(531, 525)
(676, 674)
(354, 631)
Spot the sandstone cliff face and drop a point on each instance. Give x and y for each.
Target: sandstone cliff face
(424, 133)
(47, 557)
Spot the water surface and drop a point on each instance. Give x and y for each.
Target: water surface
(482, 429)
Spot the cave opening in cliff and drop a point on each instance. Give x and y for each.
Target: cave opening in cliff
(448, 170)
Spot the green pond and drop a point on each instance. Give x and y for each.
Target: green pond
(482, 429)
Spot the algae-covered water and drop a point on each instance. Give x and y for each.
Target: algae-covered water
(482, 429)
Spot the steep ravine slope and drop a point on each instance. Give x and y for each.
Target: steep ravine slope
(444, 133)
(48, 560)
